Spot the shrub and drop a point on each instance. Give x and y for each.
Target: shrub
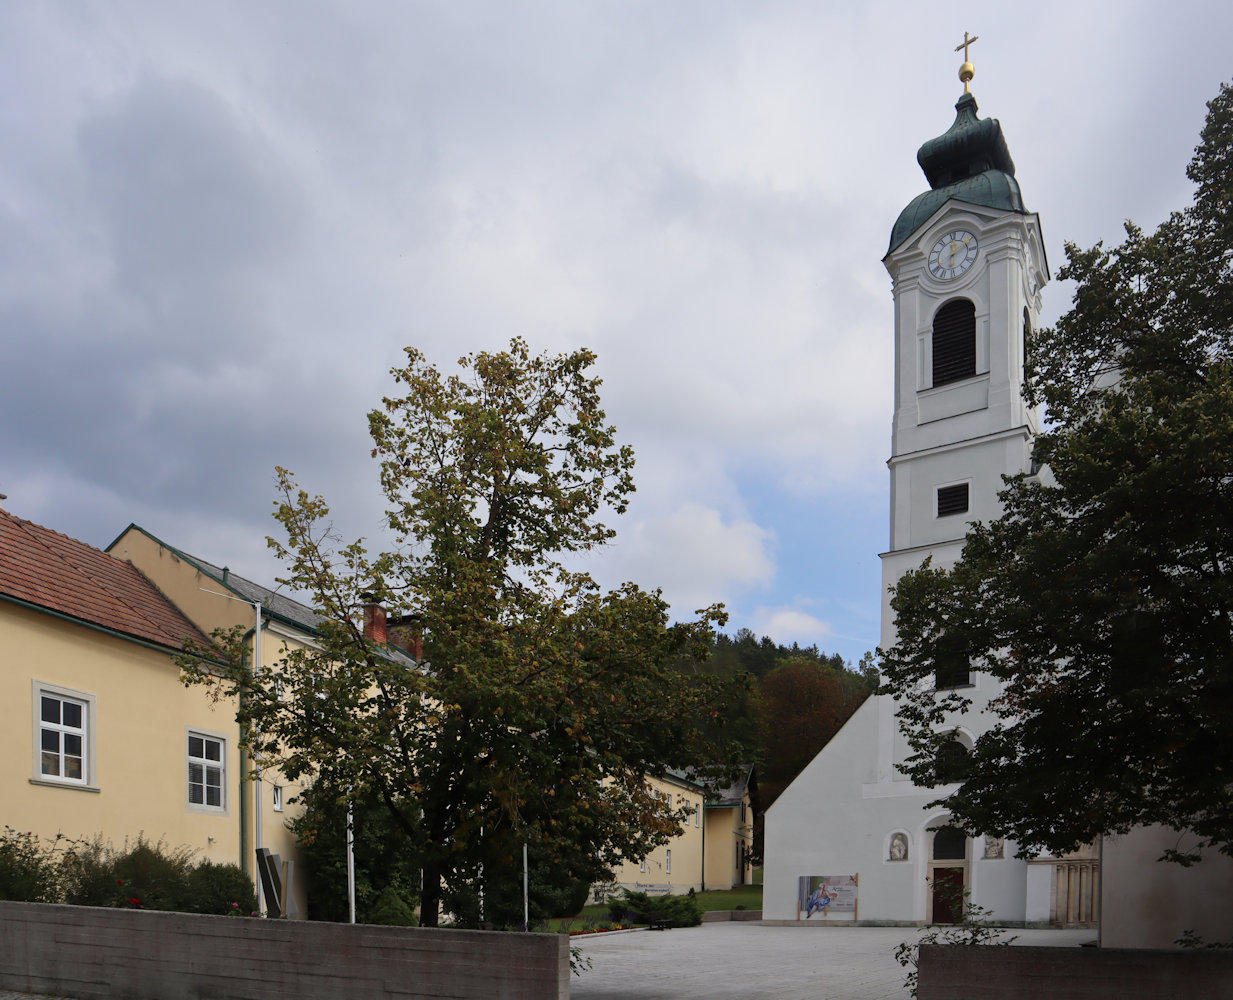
(29, 872)
(671, 911)
(391, 909)
(89, 874)
(219, 888)
(154, 877)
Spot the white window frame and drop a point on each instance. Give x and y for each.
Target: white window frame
(698, 815)
(207, 763)
(668, 861)
(86, 702)
(276, 798)
(642, 865)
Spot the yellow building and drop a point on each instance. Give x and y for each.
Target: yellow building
(729, 831)
(101, 736)
(714, 846)
(674, 867)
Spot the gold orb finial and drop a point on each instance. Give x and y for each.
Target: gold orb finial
(967, 70)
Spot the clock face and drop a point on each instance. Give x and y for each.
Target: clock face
(952, 255)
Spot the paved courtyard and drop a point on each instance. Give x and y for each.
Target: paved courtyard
(753, 961)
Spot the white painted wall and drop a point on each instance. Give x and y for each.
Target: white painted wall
(1146, 903)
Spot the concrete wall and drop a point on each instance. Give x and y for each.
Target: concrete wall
(1071, 973)
(1146, 903)
(94, 954)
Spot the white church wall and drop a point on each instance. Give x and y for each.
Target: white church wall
(1146, 903)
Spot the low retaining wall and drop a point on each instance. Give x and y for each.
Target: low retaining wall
(954, 972)
(90, 952)
(709, 916)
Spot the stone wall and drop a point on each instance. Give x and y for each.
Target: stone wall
(992, 973)
(92, 953)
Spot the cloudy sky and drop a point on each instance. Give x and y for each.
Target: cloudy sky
(220, 223)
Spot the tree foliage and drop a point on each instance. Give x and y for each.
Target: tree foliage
(1101, 598)
(541, 703)
(802, 703)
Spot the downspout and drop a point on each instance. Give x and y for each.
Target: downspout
(243, 798)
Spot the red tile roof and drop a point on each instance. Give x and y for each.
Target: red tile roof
(50, 570)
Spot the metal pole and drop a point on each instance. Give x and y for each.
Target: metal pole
(258, 827)
(526, 896)
(350, 863)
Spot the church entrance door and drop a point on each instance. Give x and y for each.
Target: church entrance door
(948, 876)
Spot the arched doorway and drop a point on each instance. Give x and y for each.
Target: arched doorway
(948, 875)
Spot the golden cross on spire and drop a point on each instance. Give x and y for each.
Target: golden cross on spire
(967, 70)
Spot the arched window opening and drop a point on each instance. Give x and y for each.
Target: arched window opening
(954, 342)
(950, 844)
(951, 763)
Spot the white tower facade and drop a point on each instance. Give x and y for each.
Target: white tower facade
(967, 265)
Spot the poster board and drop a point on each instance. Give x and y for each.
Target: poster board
(820, 897)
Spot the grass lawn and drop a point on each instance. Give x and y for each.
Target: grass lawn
(747, 896)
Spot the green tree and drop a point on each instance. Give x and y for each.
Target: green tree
(1101, 598)
(802, 703)
(541, 703)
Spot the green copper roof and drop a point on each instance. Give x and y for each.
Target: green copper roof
(969, 162)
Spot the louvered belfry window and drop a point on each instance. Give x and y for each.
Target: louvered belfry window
(952, 499)
(954, 342)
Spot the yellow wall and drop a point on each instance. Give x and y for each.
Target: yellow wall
(197, 595)
(725, 832)
(142, 713)
(686, 848)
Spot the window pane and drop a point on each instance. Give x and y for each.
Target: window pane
(213, 750)
(51, 763)
(72, 767)
(72, 744)
(214, 796)
(72, 714)
(51, 740)
(195, 775)
(195, 746)
(51, 709)
(213, 776)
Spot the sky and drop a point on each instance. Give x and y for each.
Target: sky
(221, 223)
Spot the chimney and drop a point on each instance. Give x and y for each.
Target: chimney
(374, 620)
(406, 633)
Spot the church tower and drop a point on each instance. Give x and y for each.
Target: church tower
(967, 264)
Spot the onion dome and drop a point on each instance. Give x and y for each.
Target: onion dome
(968, 162)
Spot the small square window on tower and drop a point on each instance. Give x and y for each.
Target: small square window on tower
(952, 499)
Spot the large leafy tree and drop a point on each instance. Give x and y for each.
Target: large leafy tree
(1102, 598)
(540, 704)
(802, 703)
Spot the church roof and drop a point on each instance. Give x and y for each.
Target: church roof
(969, 162)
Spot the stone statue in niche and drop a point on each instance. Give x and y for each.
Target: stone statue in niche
(994, 847)
(899, 847)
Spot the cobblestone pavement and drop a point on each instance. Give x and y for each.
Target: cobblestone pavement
(753, 961)
(746, 960)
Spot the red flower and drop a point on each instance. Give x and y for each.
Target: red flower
(134, 901)
(119, 881)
